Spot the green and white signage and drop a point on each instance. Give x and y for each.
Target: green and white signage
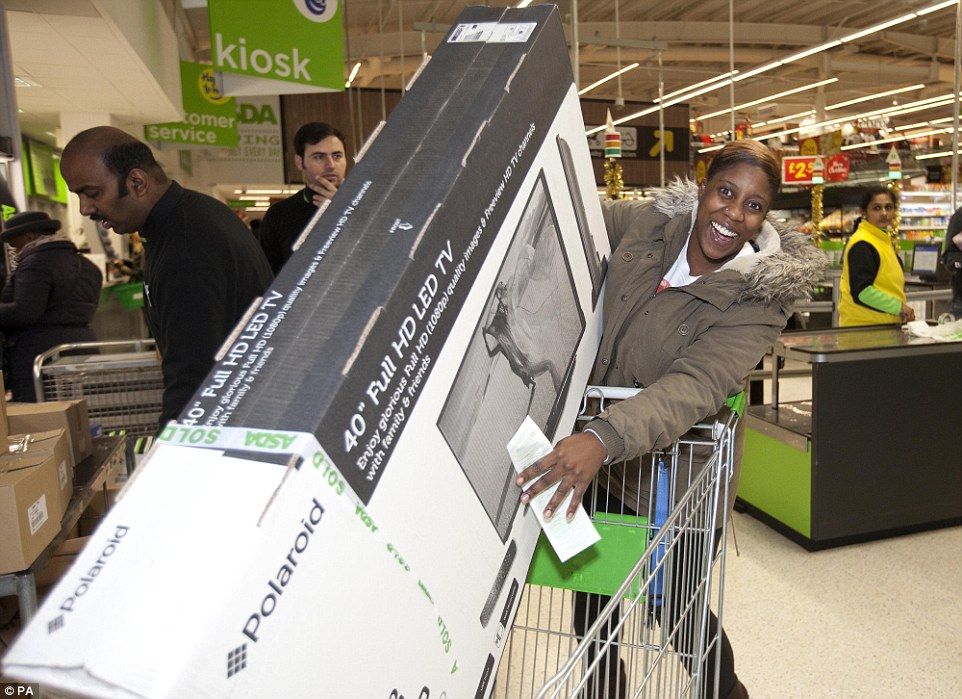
(210, 118)
(278, 46)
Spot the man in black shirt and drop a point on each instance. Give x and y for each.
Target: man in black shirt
(202, 266)
(319, 155)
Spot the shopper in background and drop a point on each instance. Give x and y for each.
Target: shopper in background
(699, 286)
(319, 155)
(50, 299)
(202, 266)
(872, 289)
(952, 259)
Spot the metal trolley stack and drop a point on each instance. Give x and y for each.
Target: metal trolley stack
(120, 381)
(651, 582)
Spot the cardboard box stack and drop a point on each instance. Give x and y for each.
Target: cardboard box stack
(335, 512)
(41, 445)
(68, 415)
(36, 483)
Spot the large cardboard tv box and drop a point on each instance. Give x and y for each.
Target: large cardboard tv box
(352, 527)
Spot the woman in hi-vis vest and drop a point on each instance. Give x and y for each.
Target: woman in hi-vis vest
(873, 281)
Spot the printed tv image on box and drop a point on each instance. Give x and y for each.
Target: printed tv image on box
(519, 359)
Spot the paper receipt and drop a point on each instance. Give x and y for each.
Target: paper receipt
(567, 538)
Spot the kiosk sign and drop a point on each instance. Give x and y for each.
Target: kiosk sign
(285, 46)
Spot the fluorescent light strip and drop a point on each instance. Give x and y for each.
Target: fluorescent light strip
(916, 125)
(781, 120)
(879, 27)
(936, 8)
(941, 154)
(898, 111)
(622, 120)
(523, 3)
(893, 139)
(770, 98)
(711, 148)
(614, 75)
(887, 93)
(923, 123)
(696, 85)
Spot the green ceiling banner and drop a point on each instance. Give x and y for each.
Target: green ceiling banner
(210, 118)
(42, 172)
(278, 46)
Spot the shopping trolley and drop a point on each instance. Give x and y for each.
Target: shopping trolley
(652, 580)
(120, 381)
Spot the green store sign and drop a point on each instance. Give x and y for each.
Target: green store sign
(300, 42)
(210, 118)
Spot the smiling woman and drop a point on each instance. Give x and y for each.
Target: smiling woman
(699, 286)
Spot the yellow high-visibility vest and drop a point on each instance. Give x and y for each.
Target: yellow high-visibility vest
(890, 279)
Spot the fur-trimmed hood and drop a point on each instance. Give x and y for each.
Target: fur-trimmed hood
(784, 270)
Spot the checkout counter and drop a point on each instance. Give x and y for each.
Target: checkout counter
(876, 452)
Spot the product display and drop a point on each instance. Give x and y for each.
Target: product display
(344, 499)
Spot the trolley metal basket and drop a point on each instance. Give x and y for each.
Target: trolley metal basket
(121, 382)
(630, 616)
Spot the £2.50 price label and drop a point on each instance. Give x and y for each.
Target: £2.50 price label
(797, 169)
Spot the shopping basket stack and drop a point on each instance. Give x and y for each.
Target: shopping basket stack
(121, 383)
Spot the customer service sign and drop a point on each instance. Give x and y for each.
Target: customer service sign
(210, 118)
(278, 46)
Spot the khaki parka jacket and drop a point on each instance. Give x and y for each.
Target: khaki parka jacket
(688, 347)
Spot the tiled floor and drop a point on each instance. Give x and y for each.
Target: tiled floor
(879, 620)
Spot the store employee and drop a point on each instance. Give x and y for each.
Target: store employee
(319, 155)
(873, 281)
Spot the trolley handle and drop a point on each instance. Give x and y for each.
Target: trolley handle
(55, 353)
(724, 420)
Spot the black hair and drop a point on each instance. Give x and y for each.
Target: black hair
(871, 192)
(314, 132)
(121, 158)
(752, 153)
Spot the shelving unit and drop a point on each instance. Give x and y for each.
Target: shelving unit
(925, 214)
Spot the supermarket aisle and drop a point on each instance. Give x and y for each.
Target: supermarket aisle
(874, 620)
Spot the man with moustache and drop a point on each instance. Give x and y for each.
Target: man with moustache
(319, 155)
(202, 266)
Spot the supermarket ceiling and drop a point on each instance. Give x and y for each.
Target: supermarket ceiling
(907, 58)
(915, 55)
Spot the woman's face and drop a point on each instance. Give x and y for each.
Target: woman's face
(880, 211)
(731, 211)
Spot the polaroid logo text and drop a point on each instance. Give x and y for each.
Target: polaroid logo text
(286, 570)
(90, 577)
(282, 65)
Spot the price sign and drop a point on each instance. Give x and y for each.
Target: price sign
(797, 169)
